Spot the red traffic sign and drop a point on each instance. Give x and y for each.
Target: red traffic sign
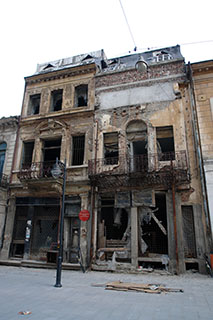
(84, 215)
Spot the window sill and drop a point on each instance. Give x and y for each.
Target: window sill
(78, 166)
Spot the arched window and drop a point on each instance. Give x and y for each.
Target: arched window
(3, 147)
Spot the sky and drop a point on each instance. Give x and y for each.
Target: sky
(39, 31)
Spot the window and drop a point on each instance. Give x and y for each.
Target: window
(56, 100)
(111, 148)
(34, 104)
(78, 144)
(27, 153)
(165, 143)
(81, 95)
(51, 150)
(3, 147)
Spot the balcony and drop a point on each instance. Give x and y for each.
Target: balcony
(36, 170)
(140, 170)
(3, 180)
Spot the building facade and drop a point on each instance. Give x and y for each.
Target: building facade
(56, 125)
(201, 92)
(125, 130)
(146, 189)
(8, 131)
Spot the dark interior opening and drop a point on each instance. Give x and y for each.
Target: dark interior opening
(192, 266)
(27, 153)
(165, 143)
(81, 95)
(34, 105)
(56, 100)
(111, 148)
(78, 150)
(139, 147)
(153, 236)
(115, 220)
(52, 150)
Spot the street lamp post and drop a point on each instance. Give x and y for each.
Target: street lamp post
(56, 173)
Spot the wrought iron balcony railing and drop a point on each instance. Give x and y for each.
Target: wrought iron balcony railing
(36, 170)
(138, 163)
(3, 180)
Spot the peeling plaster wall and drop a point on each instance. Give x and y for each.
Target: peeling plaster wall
(203, 82)
(158, 104)
(131, 96)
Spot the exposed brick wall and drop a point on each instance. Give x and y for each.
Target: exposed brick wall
(156, 71)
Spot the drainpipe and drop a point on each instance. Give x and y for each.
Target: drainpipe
(93, 245)
(198, 148)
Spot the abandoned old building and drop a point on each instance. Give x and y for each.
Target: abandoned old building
(201, 83)
(124, 130)
(146, 190)
(8, 131)
(56, 129)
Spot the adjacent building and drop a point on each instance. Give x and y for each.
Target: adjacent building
(8, 131)
(201, 92)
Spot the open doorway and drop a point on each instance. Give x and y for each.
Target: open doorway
(113, 223)
(153, 228)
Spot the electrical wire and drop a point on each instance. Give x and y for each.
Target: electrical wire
(131, 34)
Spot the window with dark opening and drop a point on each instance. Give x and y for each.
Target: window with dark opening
(3, 147)
(51, 150)
(78, 144)
(81, 95)
(165, 143)
(111, 148)
(27, 153)
(34, 104)
(56, 100)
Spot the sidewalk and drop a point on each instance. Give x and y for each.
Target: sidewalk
(26, 289)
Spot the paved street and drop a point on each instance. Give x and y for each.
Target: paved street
(25, 289)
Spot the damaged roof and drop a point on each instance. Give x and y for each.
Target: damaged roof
(150, 57)
(79, 60)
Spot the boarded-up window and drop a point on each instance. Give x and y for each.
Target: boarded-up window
(165, 143)
(78, 143)
(188, 232)
(111, 148)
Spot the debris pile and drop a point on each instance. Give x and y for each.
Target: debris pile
(147, 288)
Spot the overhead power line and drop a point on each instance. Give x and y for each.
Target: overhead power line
(130, 31)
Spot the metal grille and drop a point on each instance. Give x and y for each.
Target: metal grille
(45, 230)
(78, 150)
(188, 232)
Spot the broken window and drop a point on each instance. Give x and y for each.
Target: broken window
(56, 100)
(153, 227)
(81, 95)
(34, 104)
(3, 147)
(78, 143)
(27, 153)
(165, 143)
(51, 150)
(111, 148)
(114, 220)
(188, 232)
(137, 145)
